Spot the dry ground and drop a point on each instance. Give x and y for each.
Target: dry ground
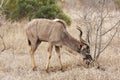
(15, 62)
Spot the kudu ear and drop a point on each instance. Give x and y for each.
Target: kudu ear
(78, 28)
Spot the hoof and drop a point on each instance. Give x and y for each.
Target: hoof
(62, 70)
(34, 68)
(47, 71)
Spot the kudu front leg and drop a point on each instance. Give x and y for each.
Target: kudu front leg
(49, 57)
(34, 68)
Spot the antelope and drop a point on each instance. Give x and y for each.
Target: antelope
(55, 33)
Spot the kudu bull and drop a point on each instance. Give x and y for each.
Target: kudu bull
(55, 33)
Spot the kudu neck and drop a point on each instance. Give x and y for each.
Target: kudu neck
(71, 42)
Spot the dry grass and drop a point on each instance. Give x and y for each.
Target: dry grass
(15, 62)
(18, 67)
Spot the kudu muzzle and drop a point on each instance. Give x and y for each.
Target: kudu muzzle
(88, 59)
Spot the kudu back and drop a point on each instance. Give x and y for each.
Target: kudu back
(55, 33)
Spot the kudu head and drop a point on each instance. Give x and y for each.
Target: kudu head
(84, 49)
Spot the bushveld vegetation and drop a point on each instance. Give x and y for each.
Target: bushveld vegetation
(98, 19)
(117, 3)
(19, 9)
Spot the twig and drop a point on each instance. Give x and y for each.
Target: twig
(100, 37)
(108, 42)
(3, 43)
(111, 28)
(5, 48)
(96, 40)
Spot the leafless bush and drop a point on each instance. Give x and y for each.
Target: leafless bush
(95, 20)
(2, 35)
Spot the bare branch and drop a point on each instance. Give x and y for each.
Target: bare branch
(111, 28)
(5, 48)
(100, 31)
(3, 43)
(107, 43)
(96, 40)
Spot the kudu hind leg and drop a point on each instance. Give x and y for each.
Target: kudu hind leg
(59, 55)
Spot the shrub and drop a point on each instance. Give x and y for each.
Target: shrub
(65, 17)
(117, 3)
(18, 9)
(48, 11)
